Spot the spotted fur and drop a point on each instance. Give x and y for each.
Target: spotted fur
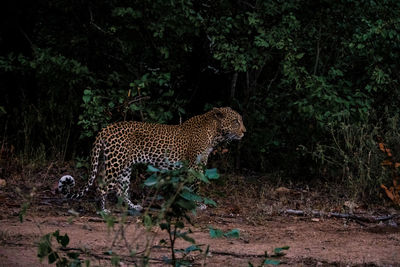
(120, 145)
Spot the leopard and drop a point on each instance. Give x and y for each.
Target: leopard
(121, 145)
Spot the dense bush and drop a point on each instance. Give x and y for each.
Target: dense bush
(294, 69)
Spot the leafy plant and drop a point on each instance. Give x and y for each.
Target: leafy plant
(22, 212)
(217, 233)
(173, 190)
(271, 259)
(55, 255)
(293, 70)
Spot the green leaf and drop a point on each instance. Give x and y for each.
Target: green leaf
(63, 240)
(185, 237)
(86, 98)
(188, 205)
(152, 169)
(53, 256)
(272, 262)
(56, 233)
(152, 180)
(76, 263)
(108, 218)
(164, 51)
(22, 212)
(212, 174)
(199, 175)
(147, 221)
(215, 233)
(179, 225)
(87, 92)
(164, 226)
(190, 196)
(278, 251)
(73, 255)
(115, 260)
(44, 248)
(192, 248)
(181, 110)
(234, 233)
(179, 251)
(208, 201)
(135, 108)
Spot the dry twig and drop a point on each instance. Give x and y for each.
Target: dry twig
(316, 213)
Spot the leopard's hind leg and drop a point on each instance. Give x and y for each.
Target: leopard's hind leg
(124, 180)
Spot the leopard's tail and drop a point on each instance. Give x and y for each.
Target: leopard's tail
(67, 182)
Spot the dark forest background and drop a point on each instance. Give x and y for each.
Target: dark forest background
(317, 82)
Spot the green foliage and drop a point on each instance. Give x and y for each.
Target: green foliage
(54, 255)
(108, 218)
(2, 111)
(173, 189)
(270, 259)
(135, 102)
(294, 69)
(217, 233)
(305, 77)
(354, 155)
(22, 212)
(211, 174)
(46, 107)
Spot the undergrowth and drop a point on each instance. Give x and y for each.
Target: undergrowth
(170, 200)
(351, 158)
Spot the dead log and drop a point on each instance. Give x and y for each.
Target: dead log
(350, 216)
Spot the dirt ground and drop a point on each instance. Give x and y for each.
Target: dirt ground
(260, 219)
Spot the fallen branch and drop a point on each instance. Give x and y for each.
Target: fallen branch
(238, 255)
(315, 213)
(105, 256)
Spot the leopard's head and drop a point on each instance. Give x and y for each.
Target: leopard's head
(230, 123)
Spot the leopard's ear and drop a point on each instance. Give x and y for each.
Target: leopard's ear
(218, 113)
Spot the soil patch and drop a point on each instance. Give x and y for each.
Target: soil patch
(263, 226)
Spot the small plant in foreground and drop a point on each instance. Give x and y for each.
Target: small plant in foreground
(178, 198)
(217, 233)
(271, 259)
(45, 246)
(172, 199)
(46, 250)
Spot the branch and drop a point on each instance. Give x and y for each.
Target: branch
(248, 4)
(233, 85)
(273, 79)
(95, 25)
(316, 213)
(238, 255)
(318, 51)
(26, 37)
(138, 99)
(125, 258)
